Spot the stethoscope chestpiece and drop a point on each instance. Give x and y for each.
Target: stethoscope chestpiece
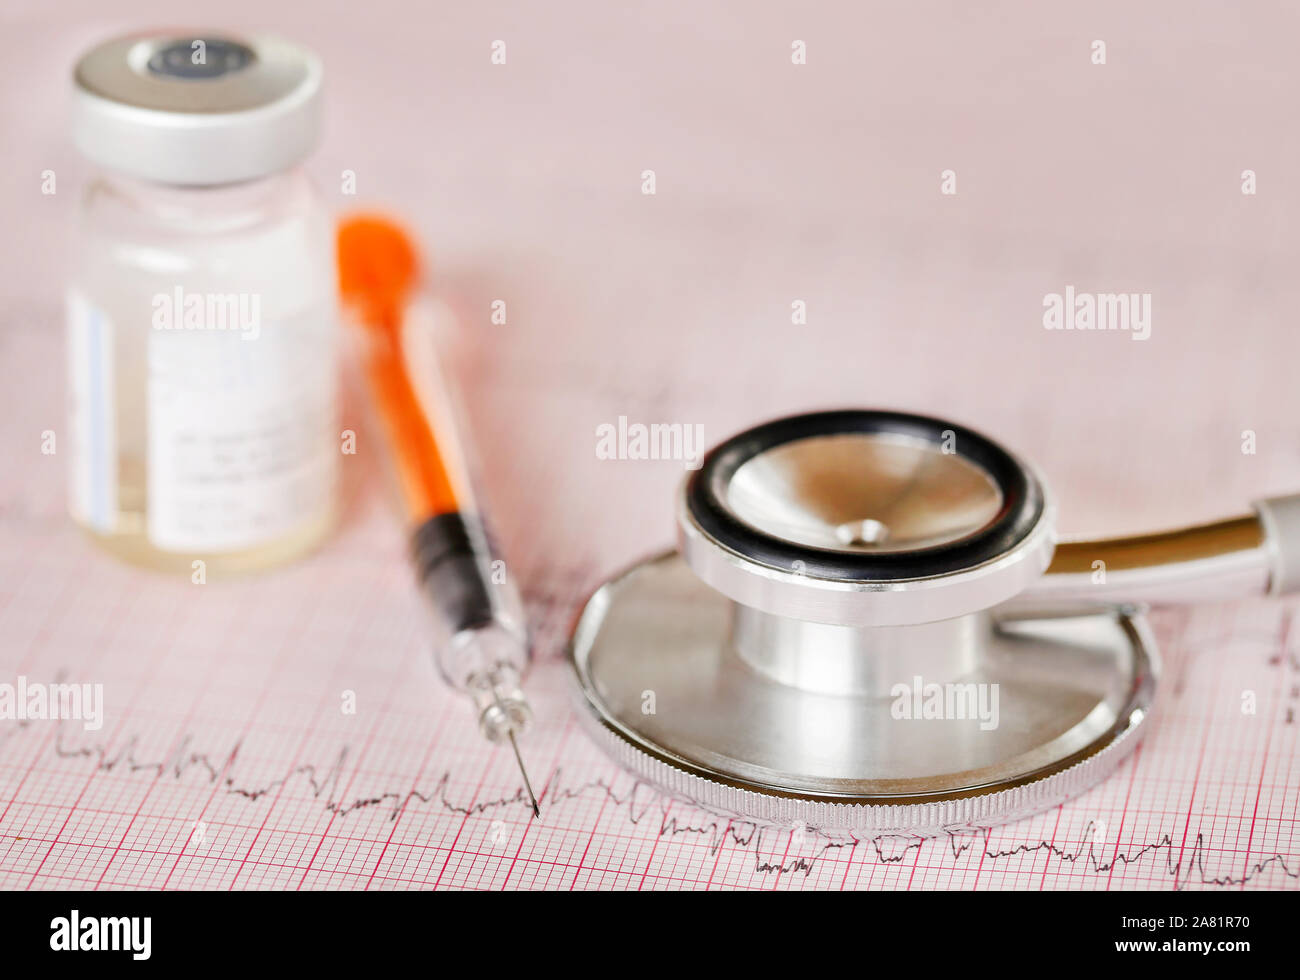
(829, 646)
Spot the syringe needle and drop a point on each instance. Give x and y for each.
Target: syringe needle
(509, 725)
(537, 812)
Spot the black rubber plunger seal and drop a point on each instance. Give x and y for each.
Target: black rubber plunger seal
(706, 496)
(447, 550)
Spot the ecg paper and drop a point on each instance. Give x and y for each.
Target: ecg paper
(227, 759)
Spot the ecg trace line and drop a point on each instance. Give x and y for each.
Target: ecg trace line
(641, 801)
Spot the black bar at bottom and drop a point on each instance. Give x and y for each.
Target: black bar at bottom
(380, 932)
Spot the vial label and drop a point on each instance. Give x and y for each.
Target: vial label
(241, 435)
(92, 415)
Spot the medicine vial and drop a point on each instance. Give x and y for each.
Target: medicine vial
(202, 313)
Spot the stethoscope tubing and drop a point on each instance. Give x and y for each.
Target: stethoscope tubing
(1250, 555)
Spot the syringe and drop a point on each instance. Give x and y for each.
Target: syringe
(482, 649)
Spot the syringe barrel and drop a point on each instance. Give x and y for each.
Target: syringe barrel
(481, 646)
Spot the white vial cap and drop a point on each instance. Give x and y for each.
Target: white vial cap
(202, 109)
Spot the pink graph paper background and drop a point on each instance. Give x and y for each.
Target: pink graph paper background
(225, 760)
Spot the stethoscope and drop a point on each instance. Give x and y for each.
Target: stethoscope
(869, 626)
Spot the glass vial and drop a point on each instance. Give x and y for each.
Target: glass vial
(202, 310)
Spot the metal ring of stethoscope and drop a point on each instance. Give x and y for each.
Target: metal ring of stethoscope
(734, 533)
(856, 632)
